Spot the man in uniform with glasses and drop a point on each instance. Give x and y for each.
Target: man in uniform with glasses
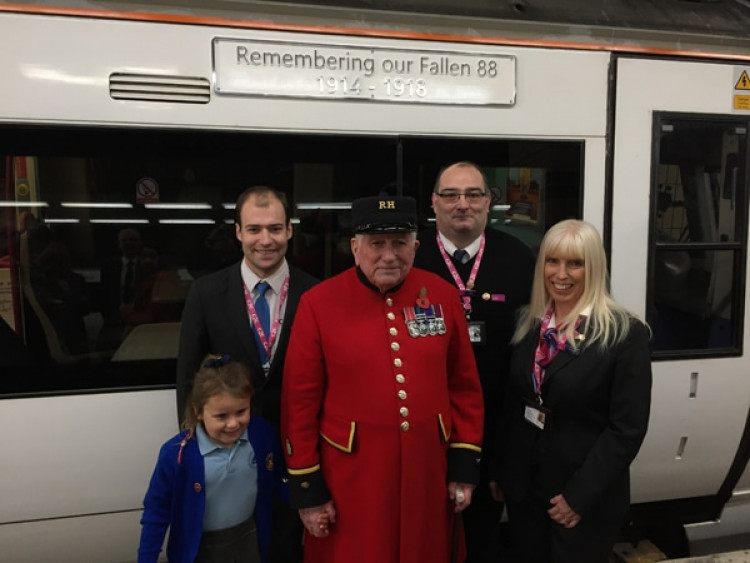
(492, 272)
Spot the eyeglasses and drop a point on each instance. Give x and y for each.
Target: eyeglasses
(452, 196)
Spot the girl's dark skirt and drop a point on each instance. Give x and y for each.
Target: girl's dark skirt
(238, 544)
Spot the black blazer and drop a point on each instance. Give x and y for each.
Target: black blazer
(599, 403)
(507, 267)
(215, 320)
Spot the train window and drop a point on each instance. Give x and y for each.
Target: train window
(87, 211)
(699, 231)
(535, 183)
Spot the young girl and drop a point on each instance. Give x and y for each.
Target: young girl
(215, 482)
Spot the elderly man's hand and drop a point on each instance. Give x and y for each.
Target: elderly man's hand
(318, 519)
(460, 493)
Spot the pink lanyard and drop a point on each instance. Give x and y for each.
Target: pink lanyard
(267, 342)
(465, 296)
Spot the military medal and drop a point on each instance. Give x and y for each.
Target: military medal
(424, 319)
(440, 319)
(422, 324)
(410, 318)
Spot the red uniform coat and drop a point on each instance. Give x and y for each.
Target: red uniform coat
(378, 420)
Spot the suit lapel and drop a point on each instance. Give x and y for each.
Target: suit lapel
(527, 349)
(296, 289)
(562, 359)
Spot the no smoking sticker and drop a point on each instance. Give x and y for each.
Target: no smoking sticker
(146, 190)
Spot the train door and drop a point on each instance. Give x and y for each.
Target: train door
(679, 258)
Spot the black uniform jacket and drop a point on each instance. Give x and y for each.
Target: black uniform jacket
(507, 268)
(599, 403)
(215, 320)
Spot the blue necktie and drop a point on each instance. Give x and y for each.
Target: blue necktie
(264, 316)
(460, 256)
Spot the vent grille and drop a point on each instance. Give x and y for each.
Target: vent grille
(157, 88)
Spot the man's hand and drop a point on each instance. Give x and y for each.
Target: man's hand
(460, 493)
(318, 519)
(562, 513)
(496, 492)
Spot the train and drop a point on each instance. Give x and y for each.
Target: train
(126, 123)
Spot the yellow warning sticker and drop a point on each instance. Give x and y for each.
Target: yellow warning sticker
(744, 82)
(742, 102)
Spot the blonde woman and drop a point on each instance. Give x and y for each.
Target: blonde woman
(578, 408)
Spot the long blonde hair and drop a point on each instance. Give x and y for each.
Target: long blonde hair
(608, 322)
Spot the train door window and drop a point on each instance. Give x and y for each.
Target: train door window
(699, 233)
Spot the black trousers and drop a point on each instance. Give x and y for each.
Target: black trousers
(538, 539)
(482, 526)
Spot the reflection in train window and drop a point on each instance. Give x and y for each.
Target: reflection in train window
(105, 230)
(699, 236)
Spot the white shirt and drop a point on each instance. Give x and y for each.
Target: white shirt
(276, 282)
(451, 248)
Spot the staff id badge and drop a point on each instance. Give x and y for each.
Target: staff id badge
(477, 333)
(536, 415)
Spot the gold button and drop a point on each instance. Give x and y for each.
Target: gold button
(391, 317)
(486, 296)
(404, 426)
(397, 362)
(395, 347)
(400, 378)
(389, 302)
(304, 485)
(402, 394)
(403, 411)
(393, 331)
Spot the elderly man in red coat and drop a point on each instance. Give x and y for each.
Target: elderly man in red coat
(381, 403)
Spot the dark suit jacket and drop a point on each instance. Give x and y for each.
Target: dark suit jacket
(507, 267)
(600, 403)
(215, 320)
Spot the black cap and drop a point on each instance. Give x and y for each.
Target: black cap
(384, 214)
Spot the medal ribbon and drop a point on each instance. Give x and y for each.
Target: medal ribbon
(267, 341)
(465, 297)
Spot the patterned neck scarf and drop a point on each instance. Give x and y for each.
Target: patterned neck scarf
(550, 343)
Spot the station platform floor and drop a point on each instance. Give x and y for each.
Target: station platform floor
(731, 557)
(646, 552)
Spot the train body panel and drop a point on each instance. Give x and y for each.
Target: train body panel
(96, 49)
(82, 463)
(595, 132)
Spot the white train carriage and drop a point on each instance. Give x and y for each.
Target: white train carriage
(154, 122)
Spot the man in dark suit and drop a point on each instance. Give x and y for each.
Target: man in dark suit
(218, 312)
(493, 273)
(223, 315)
